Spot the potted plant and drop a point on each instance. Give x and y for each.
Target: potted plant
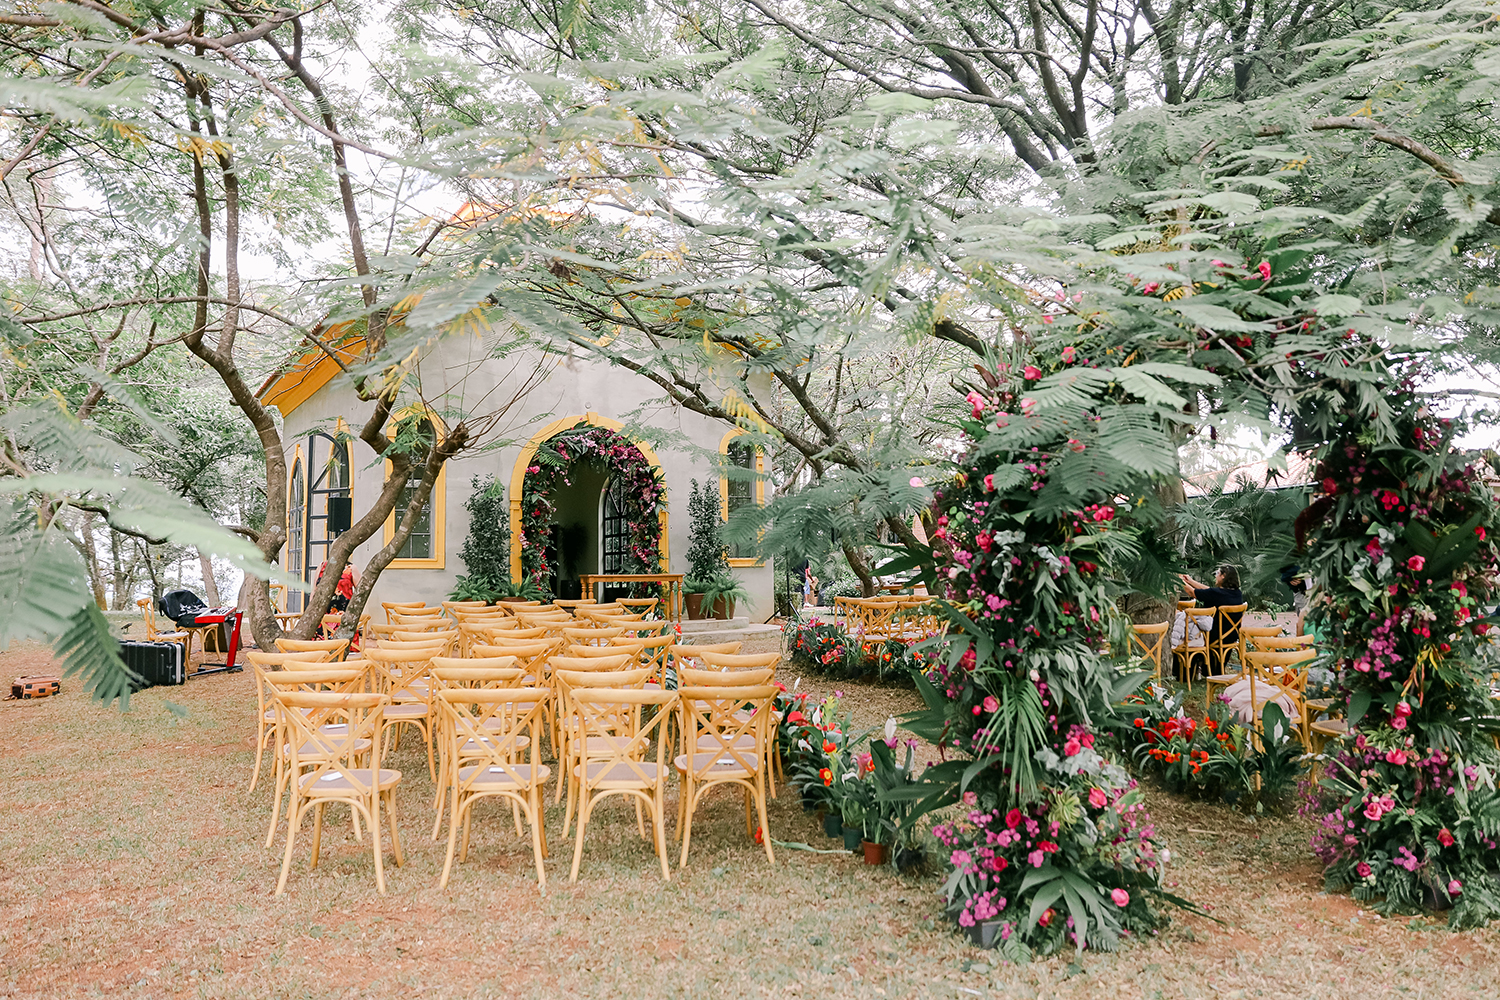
(893, 802)
(708, 563)
(718, 597)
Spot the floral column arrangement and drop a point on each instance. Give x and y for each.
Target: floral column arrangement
(1053, 845)
(1402, 552)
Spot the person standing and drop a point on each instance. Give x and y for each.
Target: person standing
(344, 592)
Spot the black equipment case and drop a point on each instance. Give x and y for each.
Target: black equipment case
(158, 663)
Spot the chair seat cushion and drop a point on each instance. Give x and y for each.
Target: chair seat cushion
(609, 744)
(410, 710)
(622, 774)
(709, 744)
(317, 749)
(718, 765)
(493, 776)
(1331, 727)
(337, 783)
(471, 746)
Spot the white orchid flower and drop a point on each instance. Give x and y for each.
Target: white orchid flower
(890, 727)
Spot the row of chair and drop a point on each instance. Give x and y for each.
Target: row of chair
(600, 696)
(876, 619)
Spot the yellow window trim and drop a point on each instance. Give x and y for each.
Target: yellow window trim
(760, 489)
(437, 500)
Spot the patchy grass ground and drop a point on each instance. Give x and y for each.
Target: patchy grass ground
(131, 865)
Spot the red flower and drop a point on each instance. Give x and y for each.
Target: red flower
(795, 717)
(1445, 838)
(826, 775)
(828, 746)
(760, 835)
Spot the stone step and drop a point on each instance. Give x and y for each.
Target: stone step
(712, 624)
(754, 638)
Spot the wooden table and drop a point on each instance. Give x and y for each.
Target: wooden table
(672, 582)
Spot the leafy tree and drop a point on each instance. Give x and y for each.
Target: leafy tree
(708, 561)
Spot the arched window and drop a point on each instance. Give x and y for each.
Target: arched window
(615, 538)
(296, 530)
(741, 486)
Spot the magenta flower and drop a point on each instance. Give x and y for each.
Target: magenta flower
(1097, 798)
(1031, 373)
(916, 482)
(1264, 267)
(1445, 838)
(1362, 870)
(1068, 355)
(1415, 563)
(991, 704)
(1455, 887)
(1121, 897)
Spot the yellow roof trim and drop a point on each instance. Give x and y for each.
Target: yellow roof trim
(295, 383)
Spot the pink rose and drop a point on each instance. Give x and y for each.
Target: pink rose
(1397, 757)
(1097, 798)
(1455, 887)
(1372, 810)
(991, 705)
(1415, 563)
(1120, 896)
(1071, 747)
(1031, 373)
(1264, 267)
(1068, 354)
(1362, 870)
(989, 483)
(1445, 838)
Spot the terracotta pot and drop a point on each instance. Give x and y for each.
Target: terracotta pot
(723, 610)
(694, 605)
(875, 854)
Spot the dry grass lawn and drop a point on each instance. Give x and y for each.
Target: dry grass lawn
(131, 865)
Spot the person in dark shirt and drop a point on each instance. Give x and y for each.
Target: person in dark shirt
(1225, 591)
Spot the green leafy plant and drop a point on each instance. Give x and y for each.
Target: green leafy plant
(486, 550)
(708, 559)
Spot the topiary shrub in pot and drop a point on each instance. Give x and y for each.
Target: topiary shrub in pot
(708, 561)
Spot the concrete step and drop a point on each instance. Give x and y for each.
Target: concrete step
(754, 638)
(694, 625)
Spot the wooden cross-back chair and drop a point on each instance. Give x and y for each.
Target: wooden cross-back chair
(642, 605)
(1279, 675)
(681, 652)
(423, 623)
(1249, 635)
(447, 637)
(451, 606)
(579, 742)
(734, 664)
(1225, 638)
(403, 676)
(572, 604)
(1278, 643)
(455, 673)
(627, 770)
(1193, 649)
(265, 710)
(329, 766)
(726, 749)
(1150, 642)
(490, 730)
(335, 648)
(305, 677)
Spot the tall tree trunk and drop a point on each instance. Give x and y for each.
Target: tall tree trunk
(91, 559)
(210, 585)
(861, 567)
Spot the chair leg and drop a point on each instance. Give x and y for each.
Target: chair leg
(317, 835)
(640, 825)
(294, 820)
(749, 830)
(260, 753)
(281, 783)
(687, 826)
(463, 852)
(534, 817)
(375, 841)
(765, 829)
(452, 841)
(659, 824)
(583, 821)
(390, 808)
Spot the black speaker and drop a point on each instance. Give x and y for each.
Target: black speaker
(340, 514)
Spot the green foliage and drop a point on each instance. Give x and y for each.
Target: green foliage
(708, 559)
(1246, 526)
(486, 550)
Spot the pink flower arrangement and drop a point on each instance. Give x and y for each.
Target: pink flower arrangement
(1120, 896)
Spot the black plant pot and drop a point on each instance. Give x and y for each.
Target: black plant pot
(909, 860)
(985, 934)
(1434, 898)
(853, 837)
(833, 823)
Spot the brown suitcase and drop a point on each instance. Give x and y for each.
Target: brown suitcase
(35, 687)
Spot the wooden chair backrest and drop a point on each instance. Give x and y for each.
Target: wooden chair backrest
(422, 623)
(465, 605)
(330, 734)
(591, 651)
(694, 677)
(488, 672)
(449, 635)
(645, 605)
(279, 661)
(530, 656)
(400, 607)
(438, 647)
(336, 648)
(624, 762)
(341, 680)
(741, 661)
(572, 603)
(490, 724)
(1150, 640)
(398, 673)
(583, 636)
(696, 652)
(1267, 644)
(1204, 617)
(713, 717)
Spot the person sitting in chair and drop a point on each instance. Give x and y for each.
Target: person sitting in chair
(1225, 591)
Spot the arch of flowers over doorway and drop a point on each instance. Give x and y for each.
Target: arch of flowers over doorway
(546, 463)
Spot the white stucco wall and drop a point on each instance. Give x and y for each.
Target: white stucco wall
(456, 374)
